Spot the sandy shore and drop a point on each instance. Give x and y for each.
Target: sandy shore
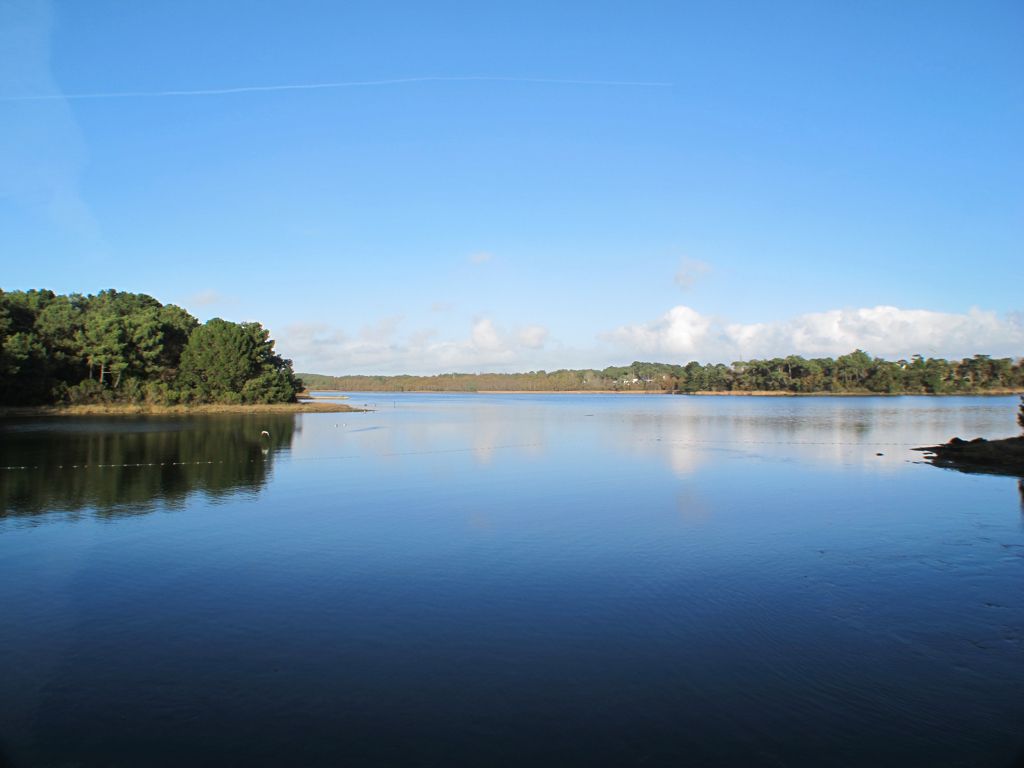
(128, 409)
(363, 394)
(563, 392)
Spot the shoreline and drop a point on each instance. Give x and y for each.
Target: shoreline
(979, 456)
(702, 393)
(1001, 392)
(134, 409)
(322, 403)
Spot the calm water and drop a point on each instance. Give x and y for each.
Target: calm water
(513, 580)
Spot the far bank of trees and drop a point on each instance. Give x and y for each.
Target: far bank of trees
(128, 347)
(856, 372)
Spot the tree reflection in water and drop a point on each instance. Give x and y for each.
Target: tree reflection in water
(124, 466)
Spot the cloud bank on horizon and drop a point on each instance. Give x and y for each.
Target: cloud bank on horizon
(889, 332)
(679, 335)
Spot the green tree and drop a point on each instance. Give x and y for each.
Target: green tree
(104, 344)
(236, 362)
(853, 368)
(176, 325)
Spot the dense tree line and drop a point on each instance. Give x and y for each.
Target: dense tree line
(856, 372)
(128, 347)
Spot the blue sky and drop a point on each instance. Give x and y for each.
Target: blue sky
(775, 177)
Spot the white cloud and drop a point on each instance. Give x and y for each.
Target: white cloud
(484, 335)
(890, 332)
(480, 257)
(679, 331)
(690, 271)
(679, 335)
(382, 348)
(533, 336)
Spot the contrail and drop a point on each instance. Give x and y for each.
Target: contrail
(343, 84)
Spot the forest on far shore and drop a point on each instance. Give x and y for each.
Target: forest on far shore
(117, 346)
(855, 373)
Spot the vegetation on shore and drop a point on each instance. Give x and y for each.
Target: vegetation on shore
(855, 373)
(1002, 457)
(118, 347)
(152, 409)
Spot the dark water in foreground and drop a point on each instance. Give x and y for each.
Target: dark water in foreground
(513, 580)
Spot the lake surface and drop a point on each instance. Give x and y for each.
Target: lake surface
(513, 580)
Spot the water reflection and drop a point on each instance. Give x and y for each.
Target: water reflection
(485, 580)
(691, 433)
(134, 465)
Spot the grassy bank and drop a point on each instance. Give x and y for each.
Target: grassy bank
(129, 409)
